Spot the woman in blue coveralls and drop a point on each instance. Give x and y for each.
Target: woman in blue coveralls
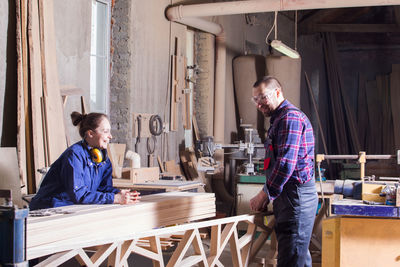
(82, 174)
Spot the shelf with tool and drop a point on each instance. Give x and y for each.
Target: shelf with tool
(367, 189)
(364, 230)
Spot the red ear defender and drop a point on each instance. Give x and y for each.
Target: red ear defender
(97, 155)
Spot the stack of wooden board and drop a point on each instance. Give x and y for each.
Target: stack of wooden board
(41, 134)
(86, 222)
(346, 134)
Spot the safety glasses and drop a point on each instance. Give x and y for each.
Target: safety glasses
(262, 98)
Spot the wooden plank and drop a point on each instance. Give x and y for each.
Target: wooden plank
(36, 89)
(398, 196)
(395, 100)
(180, 78)
(116, 153)
(362, 112)
(310, 91)
(341, 111)
(28, 169)
(180, 251)
(196, 128)
(168, 185)
(172, 168)
(51, 88)
(334, 92)
(160, 164)
(173, 106)
(374, 139)
(127, 224)
(155, 202)
(150, 218)
(387, 122)
(189, 163)
(21, 145)
(66, 91)
(9, 174)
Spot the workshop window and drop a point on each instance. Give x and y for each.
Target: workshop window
(100, 56)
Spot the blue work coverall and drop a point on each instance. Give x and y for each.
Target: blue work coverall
(75, 179)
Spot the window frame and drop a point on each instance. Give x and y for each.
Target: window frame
(107, 41)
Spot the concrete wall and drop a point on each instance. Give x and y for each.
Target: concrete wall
(72, 20)
(151, 42)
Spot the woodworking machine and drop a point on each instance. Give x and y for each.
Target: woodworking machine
(250, 149)
(367, 189)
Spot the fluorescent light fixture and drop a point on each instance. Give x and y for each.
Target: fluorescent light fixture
(284, 49)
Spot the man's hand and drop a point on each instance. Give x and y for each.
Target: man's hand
(259, 202)
(125, 196)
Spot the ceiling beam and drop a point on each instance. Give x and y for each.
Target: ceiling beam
(354, 28)
(397, 14)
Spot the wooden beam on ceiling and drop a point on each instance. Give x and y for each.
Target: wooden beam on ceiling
(385, 28)
(397, 14)
(369, 39)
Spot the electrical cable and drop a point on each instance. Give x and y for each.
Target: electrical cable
(155, 125)
(276, 24)
(295, 31)
(272, 27)
(151, 149)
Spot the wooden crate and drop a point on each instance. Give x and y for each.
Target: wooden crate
(140, 175)
(362, 241)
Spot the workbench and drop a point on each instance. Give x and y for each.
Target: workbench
(361, 235)
(113, 232)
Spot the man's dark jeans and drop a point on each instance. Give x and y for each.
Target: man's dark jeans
(295, 211)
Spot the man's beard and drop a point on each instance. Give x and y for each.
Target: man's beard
(266, 110)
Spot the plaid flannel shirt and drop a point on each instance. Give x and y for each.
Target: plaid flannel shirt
(293, 144)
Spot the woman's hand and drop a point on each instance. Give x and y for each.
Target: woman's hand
(125, 196)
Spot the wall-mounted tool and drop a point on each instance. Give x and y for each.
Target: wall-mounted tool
(139, 129)
(155, 125)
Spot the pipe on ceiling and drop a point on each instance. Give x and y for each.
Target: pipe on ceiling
(257, 6)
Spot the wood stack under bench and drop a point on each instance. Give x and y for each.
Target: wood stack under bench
(78, 223)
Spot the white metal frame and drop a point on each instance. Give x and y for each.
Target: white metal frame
(107, 47)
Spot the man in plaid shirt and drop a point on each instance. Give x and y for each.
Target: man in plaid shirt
(290, 180)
